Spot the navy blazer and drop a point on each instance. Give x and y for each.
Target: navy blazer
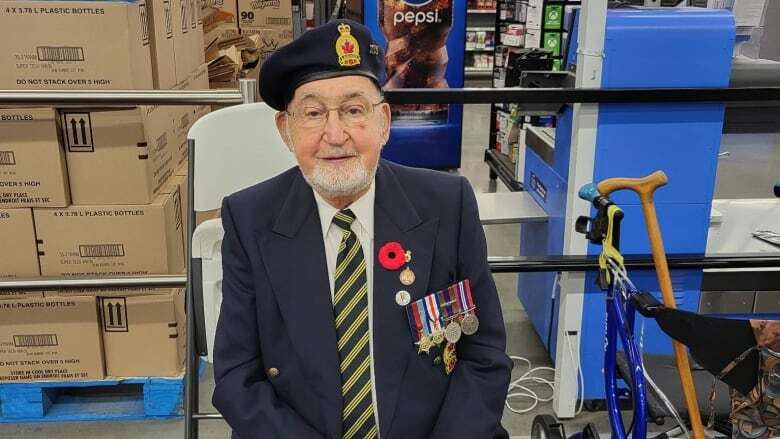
(277, 313)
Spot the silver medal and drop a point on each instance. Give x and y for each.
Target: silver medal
(452, 332)
(402, 298)
(469, 324)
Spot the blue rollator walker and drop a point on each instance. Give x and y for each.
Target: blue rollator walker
(622, 300)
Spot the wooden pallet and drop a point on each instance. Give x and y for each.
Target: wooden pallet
(104, 400)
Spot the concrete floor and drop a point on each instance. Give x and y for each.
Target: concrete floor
(749, 172)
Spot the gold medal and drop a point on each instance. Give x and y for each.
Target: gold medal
(469, 324)
(438, 337)
(425, 344)
(407, 276)
(453, 332)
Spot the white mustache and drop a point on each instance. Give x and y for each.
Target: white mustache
(335, 156)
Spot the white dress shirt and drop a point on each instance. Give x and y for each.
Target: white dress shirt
(363, 226)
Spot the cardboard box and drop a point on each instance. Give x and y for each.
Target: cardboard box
(32, 161)
(111, 240)
(185, 116)
(161, 33)
(18, 253)
(50, 339)
(143, 330)
(269, 40)
(181, 30)
(13, 294)
(188, 38)
(149, 339)
(227, 6)
(75, 45)
(199, 80)
(177, 185)
(264, 14)
(198, 43)
(125, 158)
(218, 22)
(200, 217)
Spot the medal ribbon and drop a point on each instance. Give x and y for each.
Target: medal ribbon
(432, 307)
(414, 320)
(422, 309)
(470, 302)
(463, 302)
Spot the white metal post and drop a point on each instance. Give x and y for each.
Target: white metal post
(590, 42)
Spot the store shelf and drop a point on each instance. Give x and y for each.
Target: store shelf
(500, 164)
(477, 70)
(479, 74)
(481, 28)
(485, 49)
(481, 11)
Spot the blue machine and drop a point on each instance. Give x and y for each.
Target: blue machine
(435, 142)
(642, 49)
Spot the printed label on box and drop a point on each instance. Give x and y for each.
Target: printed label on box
(114, 314)
(78, 132)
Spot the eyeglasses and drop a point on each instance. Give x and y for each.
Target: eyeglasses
(352, 113)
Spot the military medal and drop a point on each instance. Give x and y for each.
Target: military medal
(407, 276)
(434, 317)
(450, 357)
(469, 324)
(438, 337)
(402, 298)
(452, 332)
(424, 345)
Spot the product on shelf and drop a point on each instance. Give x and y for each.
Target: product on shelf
(471, 40)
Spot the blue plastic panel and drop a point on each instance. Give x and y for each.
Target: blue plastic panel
(668, 47)
(683, 140)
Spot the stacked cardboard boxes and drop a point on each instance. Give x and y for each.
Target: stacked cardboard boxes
(88, 335)
(241, 34)
(93, 191)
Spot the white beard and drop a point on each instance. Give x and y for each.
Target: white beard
(340, 181)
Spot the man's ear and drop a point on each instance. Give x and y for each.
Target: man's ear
(281, 126)
(385, 122)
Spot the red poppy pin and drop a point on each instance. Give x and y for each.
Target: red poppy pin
(392, 256)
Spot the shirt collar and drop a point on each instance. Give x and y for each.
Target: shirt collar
(363, 208)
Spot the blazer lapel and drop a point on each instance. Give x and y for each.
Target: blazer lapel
(396, 219)
(294, 256)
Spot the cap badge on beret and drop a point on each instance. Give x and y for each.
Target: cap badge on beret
(347, 47)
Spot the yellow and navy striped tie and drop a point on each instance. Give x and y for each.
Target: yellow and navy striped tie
(350, 306)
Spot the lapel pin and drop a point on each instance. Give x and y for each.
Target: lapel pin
(392, 256)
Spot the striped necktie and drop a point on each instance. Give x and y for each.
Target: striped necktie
(350, 307)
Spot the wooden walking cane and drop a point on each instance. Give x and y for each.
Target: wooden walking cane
(645, 187)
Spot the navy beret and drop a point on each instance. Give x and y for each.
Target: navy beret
(337, 48)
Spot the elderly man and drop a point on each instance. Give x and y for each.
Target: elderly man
(357, 297)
